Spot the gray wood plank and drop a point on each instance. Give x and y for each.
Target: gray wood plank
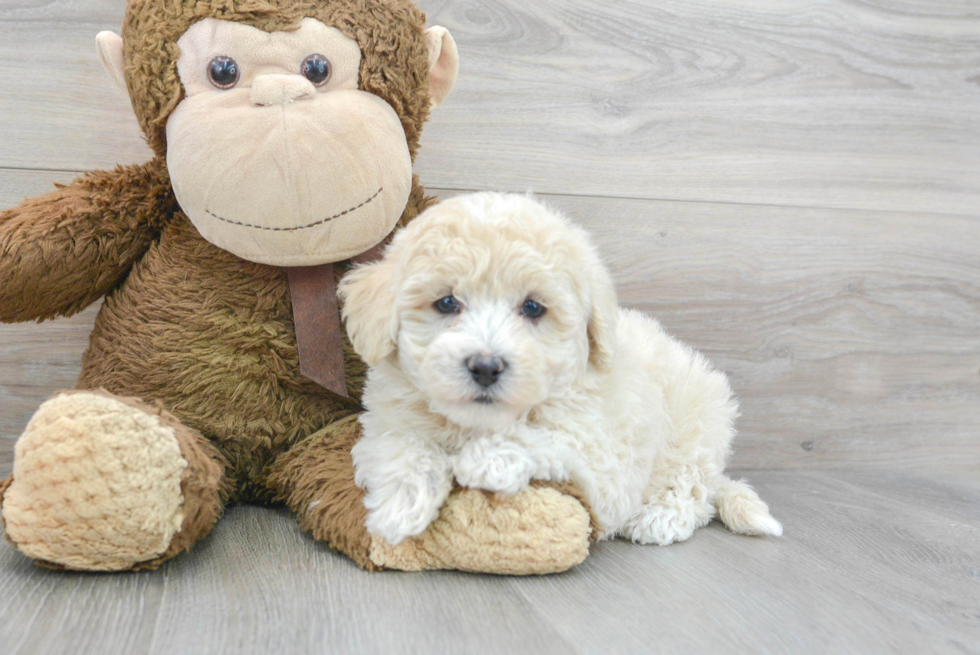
(826, 103)
(858, 571)
(850, 337)
(17, 185)
(61, 110)
(864, 567)
(263, 560)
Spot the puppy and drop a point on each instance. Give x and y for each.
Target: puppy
(499, 355)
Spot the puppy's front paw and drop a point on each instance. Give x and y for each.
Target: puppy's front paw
(552, 469)
(403, 509)
(494, 465)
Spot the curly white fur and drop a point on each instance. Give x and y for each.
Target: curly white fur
(591, 392)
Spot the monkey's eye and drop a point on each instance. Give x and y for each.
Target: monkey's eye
(533, 309)
(316, 68)
(224, 72)
(447, 305)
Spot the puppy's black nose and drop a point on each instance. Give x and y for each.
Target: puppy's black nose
(485, 370)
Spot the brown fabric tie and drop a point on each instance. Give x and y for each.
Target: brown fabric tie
(316, 315)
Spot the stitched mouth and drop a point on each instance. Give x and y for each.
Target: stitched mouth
(299, 227)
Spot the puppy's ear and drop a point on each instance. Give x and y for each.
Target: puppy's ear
(604, 317)
(368, 294)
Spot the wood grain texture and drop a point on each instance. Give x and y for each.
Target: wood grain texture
(851, 339)
(870, 563)
(848, 324)
(61, 110)
(826, 103)
(866, 566)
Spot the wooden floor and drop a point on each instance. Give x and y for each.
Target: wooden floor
(877, 563)
(793, 187)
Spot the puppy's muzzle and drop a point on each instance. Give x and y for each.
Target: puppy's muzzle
(485, 370)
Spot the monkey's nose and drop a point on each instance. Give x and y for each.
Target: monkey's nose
(485, 370)
(268, 90)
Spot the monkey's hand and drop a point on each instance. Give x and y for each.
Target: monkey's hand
(62, 251)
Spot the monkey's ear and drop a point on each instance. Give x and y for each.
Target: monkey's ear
(443, 63)
(369, 309)
(110, 46)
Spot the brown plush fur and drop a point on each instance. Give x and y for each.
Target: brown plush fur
(395, 63)
(211, 337)
(4, 485)
(62, 251)
(189, 327)
(316, 480)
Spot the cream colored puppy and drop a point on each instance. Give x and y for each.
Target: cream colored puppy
(499, 355)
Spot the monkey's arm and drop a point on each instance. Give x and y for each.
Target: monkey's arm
(62, 251)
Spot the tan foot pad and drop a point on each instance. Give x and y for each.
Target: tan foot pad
(537, 531)
(96, 484)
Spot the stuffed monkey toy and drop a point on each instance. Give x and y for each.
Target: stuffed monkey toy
(284, 133)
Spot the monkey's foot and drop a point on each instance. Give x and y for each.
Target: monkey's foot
(544, 529)
(539, 530)
(105, 483)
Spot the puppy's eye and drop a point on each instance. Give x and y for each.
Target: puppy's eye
(316, 68)
(447, 305)
(223, 72)
(533, 309)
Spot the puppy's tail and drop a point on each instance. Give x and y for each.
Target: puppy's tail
(742, 511)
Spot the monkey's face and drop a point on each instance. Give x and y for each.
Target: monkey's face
(285, 148)
(274, 153)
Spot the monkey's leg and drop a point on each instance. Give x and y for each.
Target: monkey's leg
(544, 529)
(106, 483)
